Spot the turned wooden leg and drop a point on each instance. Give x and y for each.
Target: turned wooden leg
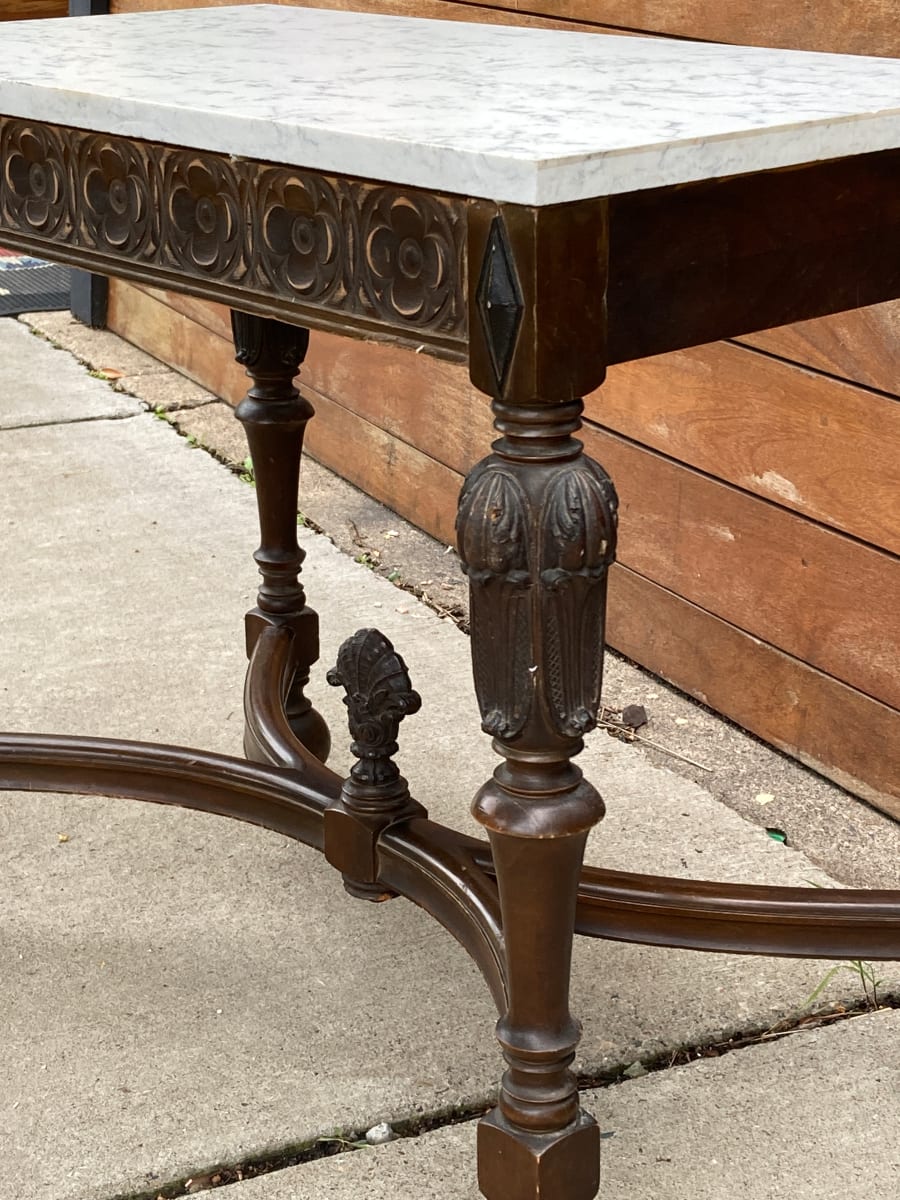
(536, 535)
(274, 415)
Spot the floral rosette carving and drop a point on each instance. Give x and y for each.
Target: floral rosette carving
(409, 259)
(117, 204)
(302, 243)
(204, 214)
(34, 178)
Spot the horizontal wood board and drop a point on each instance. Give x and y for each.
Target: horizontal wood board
(445, 10)
(833, 26)
(29, 10)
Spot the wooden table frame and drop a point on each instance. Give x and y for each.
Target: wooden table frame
(540, 301)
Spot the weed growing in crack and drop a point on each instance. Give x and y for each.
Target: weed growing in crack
(866, 973)
(864, 970)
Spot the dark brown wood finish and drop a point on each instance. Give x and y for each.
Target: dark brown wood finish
(711, 260)
(857, 346)
(536, 532)
(450, 874)
(378, 695)
(274, 416)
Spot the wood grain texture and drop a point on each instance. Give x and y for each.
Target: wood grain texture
(774, 694)
(816, 594)
(855, 346)
(861, 346)
(816, 445)
(726, 257)
(211, 316)
(391, 470)
(29, 10)
(834, 26)
(837, 731)
(204, 356)
(446, 10)
(812, 592)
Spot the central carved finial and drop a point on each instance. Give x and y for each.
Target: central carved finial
(379, 695)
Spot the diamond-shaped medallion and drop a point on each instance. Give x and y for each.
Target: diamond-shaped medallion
(499, 301)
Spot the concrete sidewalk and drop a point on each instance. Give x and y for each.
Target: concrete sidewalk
(182, 996)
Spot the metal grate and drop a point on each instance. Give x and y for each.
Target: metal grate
(33, 289)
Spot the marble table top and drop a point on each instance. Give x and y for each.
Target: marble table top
(523, 115)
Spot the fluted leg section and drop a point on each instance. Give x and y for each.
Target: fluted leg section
(274, 415)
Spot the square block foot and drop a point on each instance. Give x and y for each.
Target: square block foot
(514, 1165)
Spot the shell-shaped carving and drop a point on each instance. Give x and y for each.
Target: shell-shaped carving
(578, 530)
(493, 529)
(379, 694)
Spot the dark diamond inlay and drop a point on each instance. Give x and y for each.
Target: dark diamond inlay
(499, 300)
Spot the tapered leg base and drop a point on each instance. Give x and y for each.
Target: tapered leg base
(514, 1165)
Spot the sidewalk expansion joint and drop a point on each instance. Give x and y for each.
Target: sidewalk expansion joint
(743, 1040)
(130, 416)
(324, 1146)
(210, 1178)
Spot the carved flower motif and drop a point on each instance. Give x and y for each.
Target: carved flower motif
(408, 258)
(116, 191)
(204, 212)
(302, 239)
(36, 179)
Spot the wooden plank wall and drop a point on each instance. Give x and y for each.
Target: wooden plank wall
(760, 479)
(27, 10)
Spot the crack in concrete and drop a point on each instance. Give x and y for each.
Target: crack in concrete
(210, 1178)
(131, 416)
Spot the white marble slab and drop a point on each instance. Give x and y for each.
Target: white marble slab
(526, 115)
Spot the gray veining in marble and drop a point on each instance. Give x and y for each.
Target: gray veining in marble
(524, 115)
